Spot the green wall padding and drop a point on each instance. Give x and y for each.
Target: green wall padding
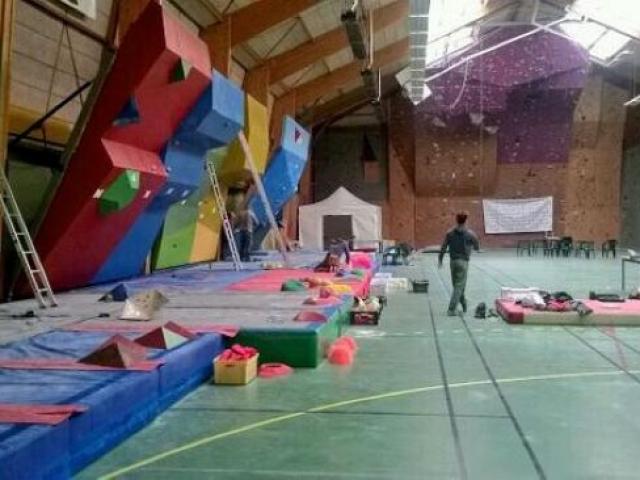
(173, 247)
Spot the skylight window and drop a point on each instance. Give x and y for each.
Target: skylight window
(611, 43)
(585, 33)
(453, 43)
(603, 44)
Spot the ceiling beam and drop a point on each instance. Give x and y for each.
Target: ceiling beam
(318, 87)
(296, 59)
(293, 100)
(346, 104)
(255, 18)
(245, 23)
(262, 15)
(7, 22)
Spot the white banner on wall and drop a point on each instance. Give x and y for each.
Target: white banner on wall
(526, 215)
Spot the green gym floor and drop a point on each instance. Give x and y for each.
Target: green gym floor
(428, 397)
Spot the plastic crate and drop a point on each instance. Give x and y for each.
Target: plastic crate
(235, 372)
(420, 286)
(365, 318)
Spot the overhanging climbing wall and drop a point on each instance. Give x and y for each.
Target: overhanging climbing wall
(214, 121)
(116, 170)
(284, 171)
(235, 169)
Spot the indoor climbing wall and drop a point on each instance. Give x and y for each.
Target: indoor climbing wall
(234, 168)
(285, 169)
(593, 187)
(160, 71)
(214, 121)
(541, 125)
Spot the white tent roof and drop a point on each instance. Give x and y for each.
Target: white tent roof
(366, 218)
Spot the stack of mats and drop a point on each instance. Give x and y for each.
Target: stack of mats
(117, 402)
(299, 344)
(603, 313)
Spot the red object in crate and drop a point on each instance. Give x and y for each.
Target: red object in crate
(238, 352)
(365, 318)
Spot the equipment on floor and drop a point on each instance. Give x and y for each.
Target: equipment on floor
(143, 305)
(224, 217)
(481, 311)
(119, 293)
(606, 297)
(237, 365)
(342, 351)
(25, 248)
(420, 286)
(272, 370)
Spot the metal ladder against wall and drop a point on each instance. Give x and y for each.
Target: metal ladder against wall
(224, 217)
(24, 245)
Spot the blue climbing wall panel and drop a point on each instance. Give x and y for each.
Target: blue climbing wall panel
(215, 120)
(285, 169)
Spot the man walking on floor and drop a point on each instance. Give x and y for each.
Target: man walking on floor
(459, 240)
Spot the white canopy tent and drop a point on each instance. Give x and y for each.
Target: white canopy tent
(366, 219)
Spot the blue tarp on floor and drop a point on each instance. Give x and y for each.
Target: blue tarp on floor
(119, 403)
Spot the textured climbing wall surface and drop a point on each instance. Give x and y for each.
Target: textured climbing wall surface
(235, 168)
(536, 128)
(136, 113)
(586, 188)
(210, 124)
(285, 169)
(399, 212)
(630, 220)
(459, 161)
(214, 123)
(206, 237)
(435, 215)
(342, 157)
(173, 247)
(593, 186)
(525, 91)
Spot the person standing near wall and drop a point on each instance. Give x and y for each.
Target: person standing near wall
(459, 240)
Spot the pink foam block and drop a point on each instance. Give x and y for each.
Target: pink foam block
(271, 370)
(340, 355)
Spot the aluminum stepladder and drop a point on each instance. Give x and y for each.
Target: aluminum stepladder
(24, 245)
(224, 217)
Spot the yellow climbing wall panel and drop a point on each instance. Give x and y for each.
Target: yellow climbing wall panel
(206, 240)
(256, 129)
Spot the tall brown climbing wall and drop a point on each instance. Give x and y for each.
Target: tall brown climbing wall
(399, 210)
(453, 172)
(593, 185)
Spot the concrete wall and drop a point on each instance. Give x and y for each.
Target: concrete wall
(456, 167)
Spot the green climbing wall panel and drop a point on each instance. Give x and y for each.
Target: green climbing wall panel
(120, 193)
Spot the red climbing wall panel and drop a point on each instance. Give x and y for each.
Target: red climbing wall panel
(75, 238)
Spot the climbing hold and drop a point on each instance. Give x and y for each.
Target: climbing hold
(180, 71)
(120, 193)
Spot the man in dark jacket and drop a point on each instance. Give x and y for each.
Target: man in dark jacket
(459, 240)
